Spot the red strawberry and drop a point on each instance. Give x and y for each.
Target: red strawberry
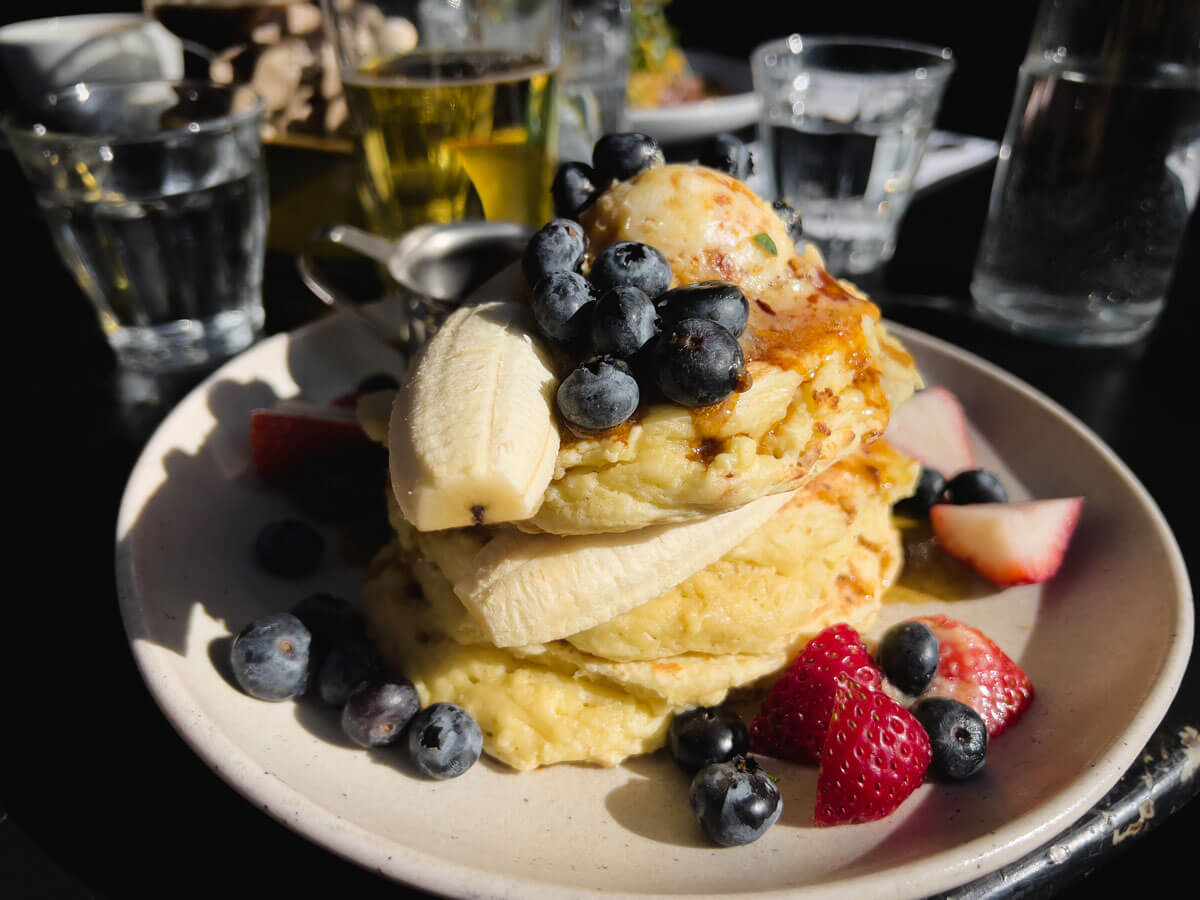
(875, 755)
(932, 428)
(974, 671)
(289, 435)
(1008, 543)
(795, 715)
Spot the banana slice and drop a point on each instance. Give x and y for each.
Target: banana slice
(472, 436)
(532, 588)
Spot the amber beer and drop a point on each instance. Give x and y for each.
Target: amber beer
(434, 125)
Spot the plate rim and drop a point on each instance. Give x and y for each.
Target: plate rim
(439, 875)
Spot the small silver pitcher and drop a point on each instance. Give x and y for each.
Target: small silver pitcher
(436, 266)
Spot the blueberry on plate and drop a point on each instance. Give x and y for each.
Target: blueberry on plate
(289, 548)
(573, 189)
(635, 264)
(270, 657)
(444, 741)
(598, 395)
(329, 619)
(562, 304)
(729, 154)
(349, 664)
(376, 713)
(957, 734)
(697, 362)
(975, 486)
(930, 488)
(558, 246)
(623, 322)
(735, 801)
(707, 735)
(908, 655)
(790, 218)
(617, 157)
(719, 301)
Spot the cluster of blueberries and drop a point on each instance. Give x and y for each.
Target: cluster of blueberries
(970, 486)
(320, 647)
(908, 656)
(628, 329)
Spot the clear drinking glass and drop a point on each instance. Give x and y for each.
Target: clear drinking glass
(156, 197)
(596, 38)
(1098, 172)
(844, 121)
(446, 95)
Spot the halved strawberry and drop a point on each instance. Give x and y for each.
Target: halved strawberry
(874, 756)
(285, 437)
(932, 428)
(794, 717)
(974, 671)
(1008, 543)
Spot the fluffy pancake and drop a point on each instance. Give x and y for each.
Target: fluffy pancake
(765, 593)
(730, 625)
(824, 372)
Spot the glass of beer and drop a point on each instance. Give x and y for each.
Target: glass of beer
(450, 100)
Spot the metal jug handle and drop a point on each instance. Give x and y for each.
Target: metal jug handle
(369, 245)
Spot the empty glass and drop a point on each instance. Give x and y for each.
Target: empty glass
(156, 198)
(844, 121)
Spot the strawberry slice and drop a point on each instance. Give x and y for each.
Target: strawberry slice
(874, 756)
(285, 437)
(974, 671)
(794, 717)
(1008, 543)
(932, 428)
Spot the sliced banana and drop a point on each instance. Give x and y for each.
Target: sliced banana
(531, 588)
(472, 436)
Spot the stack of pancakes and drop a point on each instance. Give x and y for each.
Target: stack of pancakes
(824, 377)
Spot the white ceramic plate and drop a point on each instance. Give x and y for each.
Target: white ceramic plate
(1105, 644)
(687, 121)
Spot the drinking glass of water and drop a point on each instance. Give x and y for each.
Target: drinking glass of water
(844, 122)
(156, 198)
(1098, 172)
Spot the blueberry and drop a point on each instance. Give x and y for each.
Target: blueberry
(380, 381)
(697, 362)
(908, 655)
(957, 733)
(349, 665)
(729, 154)
(376, 713)
(735, 801)
(598, 395)
(329, 620)
(574, 189)
(444, 741)
(930, 488)
(791, 218)
(562, 304)
(719, 301)
(557, 247)
(289, 548)
(975, 486)
(707, 735)
(632, 263)
(341, 487)
(270, 657)
(621, 156)
(623, 322)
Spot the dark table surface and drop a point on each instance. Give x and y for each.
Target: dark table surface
(101, 798)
